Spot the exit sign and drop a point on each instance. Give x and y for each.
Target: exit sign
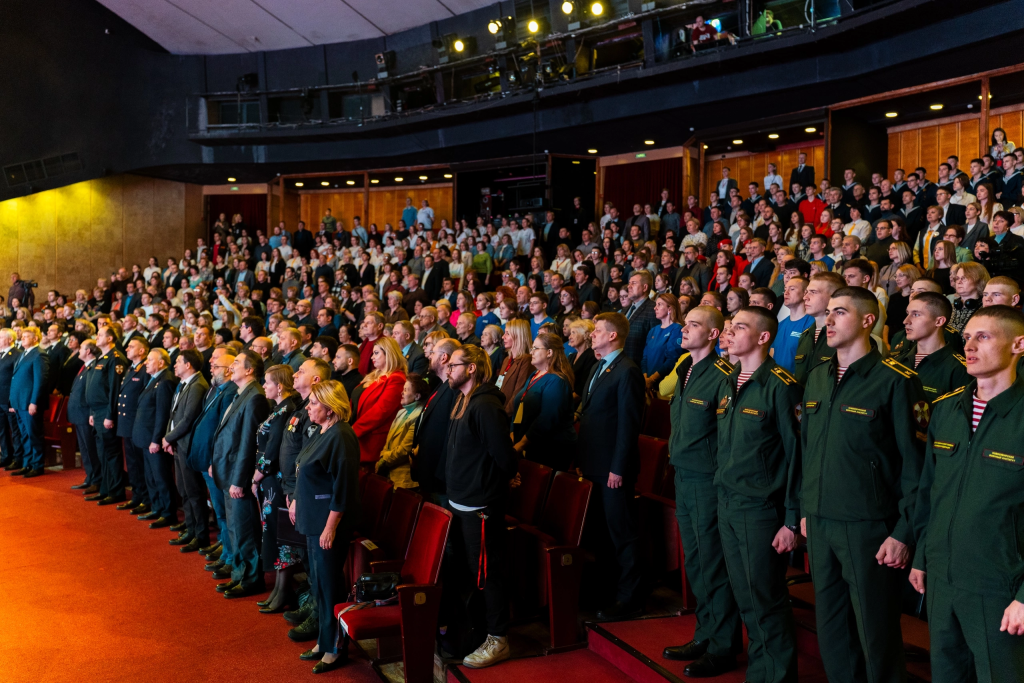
(641, 156)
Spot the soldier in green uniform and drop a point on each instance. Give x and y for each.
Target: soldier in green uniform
(863, 430)
(701, 377)
(1002, 290)
(899, 342)
(758, 508)
(969, 509)
(813, 347)
(939, 367)
(102, 388)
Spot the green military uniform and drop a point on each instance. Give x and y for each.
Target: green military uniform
(969, 513)
(758, 443)
(940, 372)
(693, 447)
(101, 391)
(863, 446)
(899, 341)
(810, 352)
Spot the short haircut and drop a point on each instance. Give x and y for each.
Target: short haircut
(861, 264)
(834, 279)
(863, 300)
(929, 282)
(766, 320)
(447, 346)
(541, 296)
(164, 356)
(936, 303)
(648, 279)
(1003, 281)
(192, 358)
(252, 361)
(255, 324)
(329, 343)
(1011, 319)
(799, 265)
(712, 317)
(321, 368)
(975, 272)
(418, 384)
(772, 297)
(618, 322)
(141, 341)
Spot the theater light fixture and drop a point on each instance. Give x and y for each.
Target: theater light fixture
(773, 136)
(423, 177)
(597, 9)
(648, 142)
(705, 146)
(350, 182)
(493, 26)
(298, 184)
(533, 26)
(325, 183)
(231, 180)
(459, 45)
(447, 175)
(374, 181)
(737, 142)
(567, 7)
(399, 179)
(935, 107)
(591, 151)
(810, 129)
(891, 114)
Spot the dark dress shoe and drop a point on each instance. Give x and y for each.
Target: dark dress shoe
(296, 617)
(309, 656)
(224, 572)
(180, 526)
(323, 667)
(307, 630)
(110, 500)
(93, 488)
(225, 587)
(213, 566)
(21, 471)
(620, 611)
(241, 591)
(13, 467)
(191, 547)
(183, 539)
(129, 505)
(6, 461)
(35, 473)
(160, 523)
(140, 509)
(214, 557)
(149, 516)
(694, 649)
(210, 549)
(709, 665)
(83, 485)
(95, 496)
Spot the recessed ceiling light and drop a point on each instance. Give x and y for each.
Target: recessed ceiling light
(231, 180)
(705, 146)
(935, 107)
(576, 162)
(350, 182)
(648, 142)
(298, 184)
(591, 151)
(891, 114)
(737, 142)
(423, 177)
(374, 181)
(810, 129)
(773, 136)
(447, 175)
(399, 179)
(325, 183)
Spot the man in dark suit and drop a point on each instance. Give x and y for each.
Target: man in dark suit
(10, 438)
(78, 416)
(29, 400)
(155, 330)
(57, 352)
(640, 314)
(134, 382)
(802, 174)
(547, 235)
(692, 267)
(68, 370)
(101, 390)
(952, 214)
(129, 328)
(760, 268)
(403, 333)
(234, 460)
(610, 412)
(434, 273)
(186, 406)
(151, 419)
(416, 293)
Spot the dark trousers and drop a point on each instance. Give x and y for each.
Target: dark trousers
(136, 464)
(857, 601)
(192, 489)
(10, 437)
(108, 447)
(327, 581)
(86, 436)
(967, 645)
(468, 530)
(718, 617)
(159, 472)
(217, 501)
(244, 529)
(31, 429)
(758, 577)
(615, 510)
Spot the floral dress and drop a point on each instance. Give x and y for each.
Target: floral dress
(271, 496)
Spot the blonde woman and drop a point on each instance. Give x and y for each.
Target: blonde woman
(395, 458)
(563, 262)
(900, 254)
(490, 341)
(969, 280)
(583, 359)
(517, 366)
(378, 398)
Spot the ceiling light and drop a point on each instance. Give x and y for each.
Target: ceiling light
(423, 177)
(737, 142)
(597, 9)
(493, 26)
(533, 26)
(773, 136)
(891, 114)
(350, 182)
(298, 184)
(567, 7)
(591, 151)
(705, 146)
(374, 181)
(935, 107)
(459, 45)
(325, 183)
(447, 175)
(576, 162)
(231, 180)
(399, 179)
(989, 96)
(648, 142)
(810, 129)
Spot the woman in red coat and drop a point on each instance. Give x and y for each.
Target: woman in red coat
(379, 400)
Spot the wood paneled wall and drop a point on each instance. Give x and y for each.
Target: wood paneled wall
(386, 205)
(930, 145)
(68, 237)
(1010, 121)
(344, 204)
(754, 167)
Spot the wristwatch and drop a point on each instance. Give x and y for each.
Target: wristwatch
(795, 528)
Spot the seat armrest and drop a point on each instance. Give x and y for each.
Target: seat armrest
(381, 566)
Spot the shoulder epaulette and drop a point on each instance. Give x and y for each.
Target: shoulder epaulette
(898, 367)
(951, 329)
(961, 359)
(952, 393)
(724, 365)
(786, 378)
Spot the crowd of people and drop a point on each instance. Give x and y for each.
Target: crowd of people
(825, 350)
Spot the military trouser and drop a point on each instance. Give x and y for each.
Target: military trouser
(758, 577)
(966, 643)
(857, 601)
(718, 617)
(108, 448)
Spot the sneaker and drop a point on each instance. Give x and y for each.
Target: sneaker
(493, 650)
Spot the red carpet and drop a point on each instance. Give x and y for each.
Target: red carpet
(92, 594)
(578, 666)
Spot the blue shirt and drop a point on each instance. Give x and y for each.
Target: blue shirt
(535, 326)
(788, 338)
(662, 349)
(409, 214)
(602, 364)
(485, 320)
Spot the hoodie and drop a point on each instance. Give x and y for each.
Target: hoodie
(481, 460)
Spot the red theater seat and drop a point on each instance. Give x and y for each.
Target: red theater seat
(527, 499)
(375, 492)
(393, 541)
(653, 465)
(657, 421)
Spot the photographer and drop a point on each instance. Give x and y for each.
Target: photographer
(22, 290)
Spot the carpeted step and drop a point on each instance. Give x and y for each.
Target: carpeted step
(577, 666)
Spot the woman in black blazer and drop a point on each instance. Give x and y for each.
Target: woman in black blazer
(326, 510)
(583, 359)
(266, 486)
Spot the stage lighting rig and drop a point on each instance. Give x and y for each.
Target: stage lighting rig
(504, 31)
(583, 13)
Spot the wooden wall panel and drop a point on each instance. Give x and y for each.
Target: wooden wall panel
(968, 144)
(9, 238)
(930, 145)
(929, 151)
(344, 206)
(1011, 122)
(37, 256)
(895, 158)
(386, 204)
(691, 177)
(745, 168)
(290, 207)
(74, 272)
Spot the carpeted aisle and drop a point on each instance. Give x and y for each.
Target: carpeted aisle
(92, 594)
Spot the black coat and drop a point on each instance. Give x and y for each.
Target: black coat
(803, 176)
(481, 460)
(610, 414)
(234, 445)
(328, 481)
(200, 453)
(67, 373)
(154, 409)
(184, 413)
(431, 438)
(78, 409)
(7, 361)
(417, 360)
(132, 384)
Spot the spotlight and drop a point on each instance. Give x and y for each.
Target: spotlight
(891, 114)
(935, 107)
(325, 183)
(350, 182)
(773, 136)
(504, 31)
(399, 179)
(374, 181)
(493, 26)
(231, 180)
(810, 129)
(533, 26)
(597, 9)
(648, 142)
(591, 151)
(737, 142)
(567, 7)
(447, 175)
(459, 45)
(450, 46)
(298, 184)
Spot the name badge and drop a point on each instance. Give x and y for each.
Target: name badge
(322, 496)
(1005, 458)
(943, 445)
(501, 379)
(698, 402)
(854, 410)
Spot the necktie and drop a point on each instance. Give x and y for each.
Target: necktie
(632, 310)
(600, 368)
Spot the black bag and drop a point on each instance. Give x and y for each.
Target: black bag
(286, 533)
(378, 588)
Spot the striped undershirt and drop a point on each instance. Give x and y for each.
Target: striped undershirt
(918, 357)
(742, 379)
(687, 379)
(817, 331)
(840, 372)
(979, 410)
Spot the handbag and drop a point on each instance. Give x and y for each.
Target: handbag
(379, 588)
(286, 533)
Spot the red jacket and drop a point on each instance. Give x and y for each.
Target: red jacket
(378, 405)
(366, 357)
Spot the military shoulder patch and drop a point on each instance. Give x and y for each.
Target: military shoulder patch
(724, 365)
(898, 367)
(963, 361)
(786, 378)
(951, 329)
(952, 393)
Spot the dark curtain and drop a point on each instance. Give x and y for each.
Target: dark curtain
(253, 208)
(642, 182)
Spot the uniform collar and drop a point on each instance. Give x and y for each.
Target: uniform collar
(1001, 404)
(762, 370)
(861, 366)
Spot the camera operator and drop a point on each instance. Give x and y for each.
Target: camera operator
(1003, 253)
(22, 290)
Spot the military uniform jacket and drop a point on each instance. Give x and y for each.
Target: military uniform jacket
(327, 480)
(759, 437)
(78, 409)
(863, 443)
(154, 408)
(970, 504)
(810, 353)
(693, 444)
(104, 384)
(7, 362)
(899, 342)
(132, 384)
(940, 372)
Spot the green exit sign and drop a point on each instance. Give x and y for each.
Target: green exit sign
(641, 156)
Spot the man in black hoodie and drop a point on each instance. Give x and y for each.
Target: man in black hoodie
(481, 464)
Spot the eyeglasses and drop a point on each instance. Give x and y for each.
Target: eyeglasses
(455, 365)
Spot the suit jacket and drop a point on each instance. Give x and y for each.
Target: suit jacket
(132, 384)
(640, 325)
(156, 339)
(432, 284)
(417, 360)
(67, 373)
(805, 177)
(154, 410)
(184, 413)
(431, 439)
(57, 354)
(29, 381)
(955, 214)
(1012, 189)
(762, 272)
(130, 303)
(78, 409)
(234, 443)
(7, 362)
(611, 410)
(970, 239)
